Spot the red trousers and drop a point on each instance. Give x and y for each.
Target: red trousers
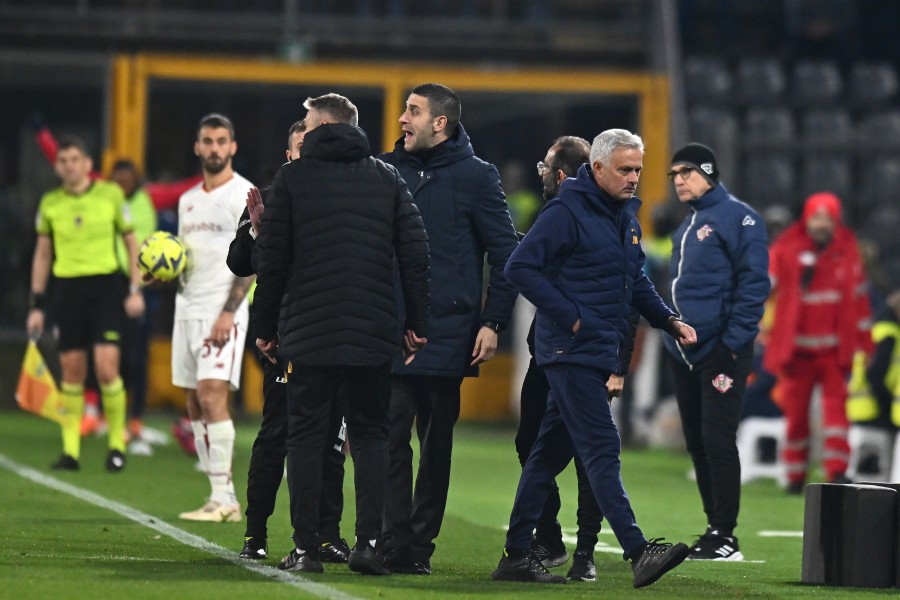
(796, 385)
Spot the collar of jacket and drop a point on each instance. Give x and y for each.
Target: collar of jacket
(710, 198)
(336, 142)
(456, 148)
(584, 184)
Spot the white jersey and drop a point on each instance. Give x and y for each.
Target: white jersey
(207, 222)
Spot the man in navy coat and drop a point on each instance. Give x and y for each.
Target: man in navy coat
(581, 265)
(462, 203)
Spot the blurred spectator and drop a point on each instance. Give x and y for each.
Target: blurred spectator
(522, 201)
(136, 332)
(821, 318)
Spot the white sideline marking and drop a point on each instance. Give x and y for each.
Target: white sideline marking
(798, 534)
(179, 535)
(96, 557)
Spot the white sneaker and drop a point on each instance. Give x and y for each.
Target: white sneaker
(214, 511)
(154, 436)
(139, 447)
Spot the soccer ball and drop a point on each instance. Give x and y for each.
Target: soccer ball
(162, 256)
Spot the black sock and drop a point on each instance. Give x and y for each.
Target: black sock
(515, 554)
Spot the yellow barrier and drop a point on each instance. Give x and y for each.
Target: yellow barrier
(484, 398)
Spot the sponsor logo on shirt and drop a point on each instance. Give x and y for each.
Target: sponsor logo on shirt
(189, 228)
(748, 220)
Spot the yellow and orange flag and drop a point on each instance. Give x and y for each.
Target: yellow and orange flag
(37, 391)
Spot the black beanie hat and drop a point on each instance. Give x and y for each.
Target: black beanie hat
(701, 158)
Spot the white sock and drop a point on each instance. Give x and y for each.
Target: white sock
(221, 448)
(200, 442)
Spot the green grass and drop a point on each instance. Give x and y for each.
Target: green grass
(58, 546)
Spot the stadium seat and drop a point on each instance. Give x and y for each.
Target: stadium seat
(718, 129)
(759, 443)
(707, 80)
(871, 450)
(760, 81)
(827, 130)
(879, 131)
(827, 174)
(849, 535)
(880, 182)
(872, 85)
(816, 83)
(768, 178)
(769, 128)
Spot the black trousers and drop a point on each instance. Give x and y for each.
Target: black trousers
(311, 394)
(270, 450)
(412, 519)
(535, 389)
(709, 400)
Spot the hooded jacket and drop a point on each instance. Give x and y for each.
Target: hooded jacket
(719, 274)
(334, 220)
(465, 213)
(582, 259)
(823, 287)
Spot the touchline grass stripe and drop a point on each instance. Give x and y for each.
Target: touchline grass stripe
(179, 535)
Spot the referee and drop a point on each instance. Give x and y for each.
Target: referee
(77, 226)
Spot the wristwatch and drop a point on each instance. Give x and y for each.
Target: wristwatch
(495, 327)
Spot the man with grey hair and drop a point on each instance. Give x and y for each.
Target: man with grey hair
(581, 265)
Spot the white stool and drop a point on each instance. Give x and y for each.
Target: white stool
(752, 432)
(869, 444)
(895, 469)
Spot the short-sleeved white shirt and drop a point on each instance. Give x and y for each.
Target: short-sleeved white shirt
(207, 222)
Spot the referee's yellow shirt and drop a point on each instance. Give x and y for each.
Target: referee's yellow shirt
(84, 229)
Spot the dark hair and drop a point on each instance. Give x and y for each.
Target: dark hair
(336, 106)
(442, 102)
(216, 120)
(73, 141)
(298, 127)
(571, 152)
(124, 164)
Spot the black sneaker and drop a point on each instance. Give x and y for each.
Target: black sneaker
(65, 463)
(712, 546)
(551, 554)
(656, 560)
(528, 568)
(400, 560)
(255, 548)
(363, 559)
(582, 568)
(115, 461)
(334, 552)
(301, 560)
(422, 565)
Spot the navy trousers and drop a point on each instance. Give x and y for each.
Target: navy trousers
(578, 419)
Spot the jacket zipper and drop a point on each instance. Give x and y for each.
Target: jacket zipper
(677, 277)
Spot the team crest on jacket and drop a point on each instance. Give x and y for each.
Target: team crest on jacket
(704, 232)
(722, 383)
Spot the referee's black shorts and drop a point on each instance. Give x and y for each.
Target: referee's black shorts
(89, 310)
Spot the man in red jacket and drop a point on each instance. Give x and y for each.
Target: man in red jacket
(822, 317)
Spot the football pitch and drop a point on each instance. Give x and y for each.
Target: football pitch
(94, 535)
